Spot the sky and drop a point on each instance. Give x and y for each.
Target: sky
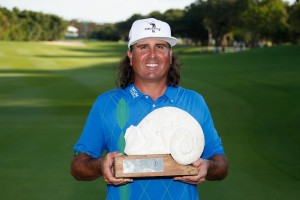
(99, 11)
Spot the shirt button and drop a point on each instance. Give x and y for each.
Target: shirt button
(146, 97)
(172, 100)
(153, 105)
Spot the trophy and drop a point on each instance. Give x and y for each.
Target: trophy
(165, 143)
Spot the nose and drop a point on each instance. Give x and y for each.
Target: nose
(152, 52)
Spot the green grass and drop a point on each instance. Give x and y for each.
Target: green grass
(46, 93)
(254, 98)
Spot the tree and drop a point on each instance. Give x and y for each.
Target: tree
(192, 24)
(294, 20)
(155, 14)
(220, 18)
(57, 27)
(124, 26)
(106, 32)
(174, 18)
(4, 21)
(28, 25)
(266, 19)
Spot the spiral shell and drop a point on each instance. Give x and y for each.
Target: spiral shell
(167, 130)
(186, 146)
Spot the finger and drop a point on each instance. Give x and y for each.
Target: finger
(106, 181)
(111, 155)
(123, 180)
(118, 155)
(114, 154)
(117, 181)
(196, 163)
(185, 181)
(183, 178)
(188, 179)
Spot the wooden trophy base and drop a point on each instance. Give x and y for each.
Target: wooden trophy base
(150, 166)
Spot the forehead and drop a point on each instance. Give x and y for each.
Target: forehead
(151, 41)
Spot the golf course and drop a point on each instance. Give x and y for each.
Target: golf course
(46, 92)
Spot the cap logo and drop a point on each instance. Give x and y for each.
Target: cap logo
(153, 28)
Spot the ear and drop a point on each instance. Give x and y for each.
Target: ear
(171, 54)
(129, 54)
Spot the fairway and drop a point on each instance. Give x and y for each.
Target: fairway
(46, 92)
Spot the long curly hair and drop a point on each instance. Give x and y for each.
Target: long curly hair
(126, 73)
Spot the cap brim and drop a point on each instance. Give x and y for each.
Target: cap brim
(171, 40)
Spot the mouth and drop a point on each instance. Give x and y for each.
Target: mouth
(151, 65)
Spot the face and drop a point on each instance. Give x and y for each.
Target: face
(151, 60)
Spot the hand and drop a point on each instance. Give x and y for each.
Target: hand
(202, 166)
(107, 168)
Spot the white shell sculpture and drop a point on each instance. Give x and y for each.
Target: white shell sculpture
(166, 130)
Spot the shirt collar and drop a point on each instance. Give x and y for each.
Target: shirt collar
(171, 93)
(134, 92)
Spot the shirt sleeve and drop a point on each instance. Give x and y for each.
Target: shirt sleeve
(213, 143)
(91, 140)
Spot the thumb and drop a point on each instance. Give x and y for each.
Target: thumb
(197, 162)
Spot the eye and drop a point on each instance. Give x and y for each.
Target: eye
(162, 47)
(143, 47)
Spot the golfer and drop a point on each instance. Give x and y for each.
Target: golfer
(148, 79)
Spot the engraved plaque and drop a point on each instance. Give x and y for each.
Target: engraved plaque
(150, 166)
(143, 165)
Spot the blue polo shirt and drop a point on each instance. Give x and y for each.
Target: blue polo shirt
(114, 111)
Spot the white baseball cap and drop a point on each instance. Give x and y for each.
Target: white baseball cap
(150, 28)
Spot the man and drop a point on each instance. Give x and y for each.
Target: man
(149, 78)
